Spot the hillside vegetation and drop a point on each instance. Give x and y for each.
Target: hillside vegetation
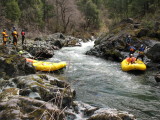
(75, 16)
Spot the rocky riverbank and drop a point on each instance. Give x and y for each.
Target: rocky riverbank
(26, 94)
(111, 46)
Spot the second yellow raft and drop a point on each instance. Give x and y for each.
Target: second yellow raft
(138, 65)
(46, 66)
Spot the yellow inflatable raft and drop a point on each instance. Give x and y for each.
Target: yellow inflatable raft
(138, 65)
(46, 66)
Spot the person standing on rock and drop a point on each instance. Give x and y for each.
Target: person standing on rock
(15, 37)
(141, 52)
(5, 36)
(23, 36)
(128, 41)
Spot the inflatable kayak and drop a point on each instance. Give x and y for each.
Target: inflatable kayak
(138, 65)
(46, 66)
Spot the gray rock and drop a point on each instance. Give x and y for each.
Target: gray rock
(46, 88)
(157, 77)
(154, 52)
(13, 64)
(18, 108)
(143, 32)
(34, 95)
(111, 114)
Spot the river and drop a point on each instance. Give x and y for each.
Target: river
(102, 83)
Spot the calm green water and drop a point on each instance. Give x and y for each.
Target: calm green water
(102, 83)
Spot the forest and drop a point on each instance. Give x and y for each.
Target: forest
(75, 16)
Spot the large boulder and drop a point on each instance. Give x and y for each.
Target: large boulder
(111, 114)
(44, 87)
(12, 64)
(15, 107)
(109, 47)
(40, 51)
(154, 53)
(143, 32)
(157, 77)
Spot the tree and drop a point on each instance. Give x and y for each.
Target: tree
(91, 13)
(12, 10)
(65, 13)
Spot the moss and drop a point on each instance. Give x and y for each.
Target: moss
(43, 76)
(40, 85)
(13, 91)
(37, 113)
(38, 80)
(6, 77)
(49, 85)
(4, 96)
(11, 59)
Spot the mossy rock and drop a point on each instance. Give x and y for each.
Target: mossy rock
(7, 93)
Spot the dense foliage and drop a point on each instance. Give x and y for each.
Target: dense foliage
(74, 15)
(132, 8)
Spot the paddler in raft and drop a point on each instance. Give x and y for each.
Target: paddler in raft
(128, 41)
(131, 59)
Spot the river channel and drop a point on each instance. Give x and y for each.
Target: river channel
(102, 83)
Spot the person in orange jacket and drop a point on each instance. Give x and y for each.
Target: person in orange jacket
(15, 37)
(131, 59)
(5, 36)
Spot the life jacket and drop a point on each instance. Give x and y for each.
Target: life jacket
(3, 33)
(14, 34)
(141, 50)
(130, 60)
(22, 33)
(132, 49)
(4, 36)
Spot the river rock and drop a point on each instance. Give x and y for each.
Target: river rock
(111, 114)
(12, 64)
(40, 52)
(157, 77)
(45, 87)
(154, 53)
(108, 47)
(155, 35)
(143, 32)
(111, 46)
(157, 26)
(25, 54)
(86, 109)
(15, 107)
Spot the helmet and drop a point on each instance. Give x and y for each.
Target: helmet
(129, 36)
(131, 55)
(142, 45)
